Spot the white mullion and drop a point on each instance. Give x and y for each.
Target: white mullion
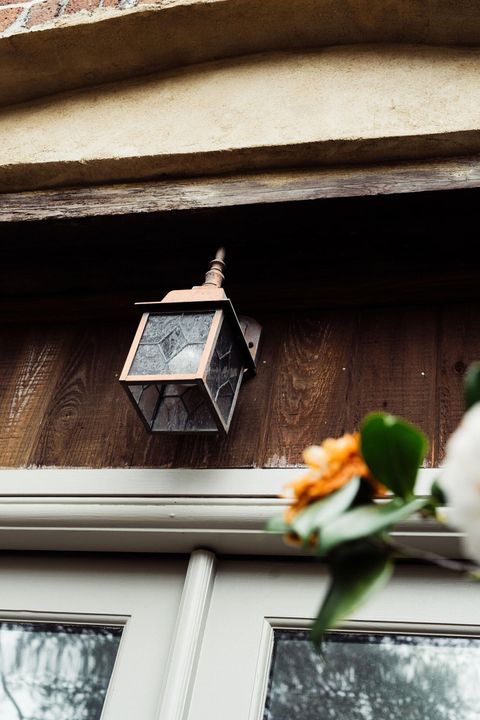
(188, 636)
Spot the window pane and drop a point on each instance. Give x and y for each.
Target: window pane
(366, 676)
(55, 672)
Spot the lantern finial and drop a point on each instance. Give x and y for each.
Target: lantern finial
(214, 276)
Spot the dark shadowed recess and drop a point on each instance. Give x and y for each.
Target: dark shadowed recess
(370, 250)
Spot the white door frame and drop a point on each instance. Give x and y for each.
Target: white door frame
(197, 512)
(165, 511)
(139, 594)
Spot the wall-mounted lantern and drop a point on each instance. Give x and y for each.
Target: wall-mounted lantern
(189, 357)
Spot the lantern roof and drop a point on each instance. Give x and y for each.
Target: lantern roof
(211, 296)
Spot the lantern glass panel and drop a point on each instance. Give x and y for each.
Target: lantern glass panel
(147, 399)
(172, 344)
(183, 408)
(225, 371)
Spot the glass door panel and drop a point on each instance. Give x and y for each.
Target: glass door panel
(362, 676)
(84, 637)
(419, 635)
(51, 671)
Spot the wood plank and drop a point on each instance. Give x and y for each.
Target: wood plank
(30, 366)
(459, 345)
(11, 363)
(311, 385)
(393, 367)
(238, 190)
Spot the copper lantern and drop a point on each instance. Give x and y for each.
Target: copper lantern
(188, 358)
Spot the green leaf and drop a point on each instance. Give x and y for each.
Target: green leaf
(437, 494)
(364, 521)
(311, 519)
(277, 524)
(471, 390)
(393, 450)
(354, 579)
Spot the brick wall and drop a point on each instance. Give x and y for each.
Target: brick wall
(22, 15)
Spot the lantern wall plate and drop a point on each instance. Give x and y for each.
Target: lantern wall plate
(188, 359)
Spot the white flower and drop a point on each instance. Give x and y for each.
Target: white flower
(460, 480)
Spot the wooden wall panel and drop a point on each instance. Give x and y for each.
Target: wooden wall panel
(86, 417)
(320, 371)
(31, 362)
(459, 345)
(311, 385)
(394, 367)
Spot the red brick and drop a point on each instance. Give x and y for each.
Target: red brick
(42, 13)
(8, 16)
(75, 6)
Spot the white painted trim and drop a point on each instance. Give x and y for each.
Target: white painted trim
(372, 626)
(167, 511)
(140, 593)
(188, 638)
(170, 525)
(259, 694)
(238, 482)
(148, 483)
(91, 619)
(264, 661)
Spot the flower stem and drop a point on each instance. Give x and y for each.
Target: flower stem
(430, 557)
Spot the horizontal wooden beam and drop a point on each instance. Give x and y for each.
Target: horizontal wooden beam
(251, 189)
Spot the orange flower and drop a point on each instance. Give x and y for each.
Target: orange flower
(332, 465)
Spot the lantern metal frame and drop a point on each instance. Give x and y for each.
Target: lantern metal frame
(209, 297)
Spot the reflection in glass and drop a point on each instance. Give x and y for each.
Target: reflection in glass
(366, 676)
(172, 343)
(183, 408)
(55, 672)
(225, 371)
(147, 398)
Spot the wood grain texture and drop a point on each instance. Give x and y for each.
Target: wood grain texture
(320, 372)
(238, 190)
(368, 359)
(394, 367)
(88, 421)
(311, 384)
(459, 345)
(30, 366)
